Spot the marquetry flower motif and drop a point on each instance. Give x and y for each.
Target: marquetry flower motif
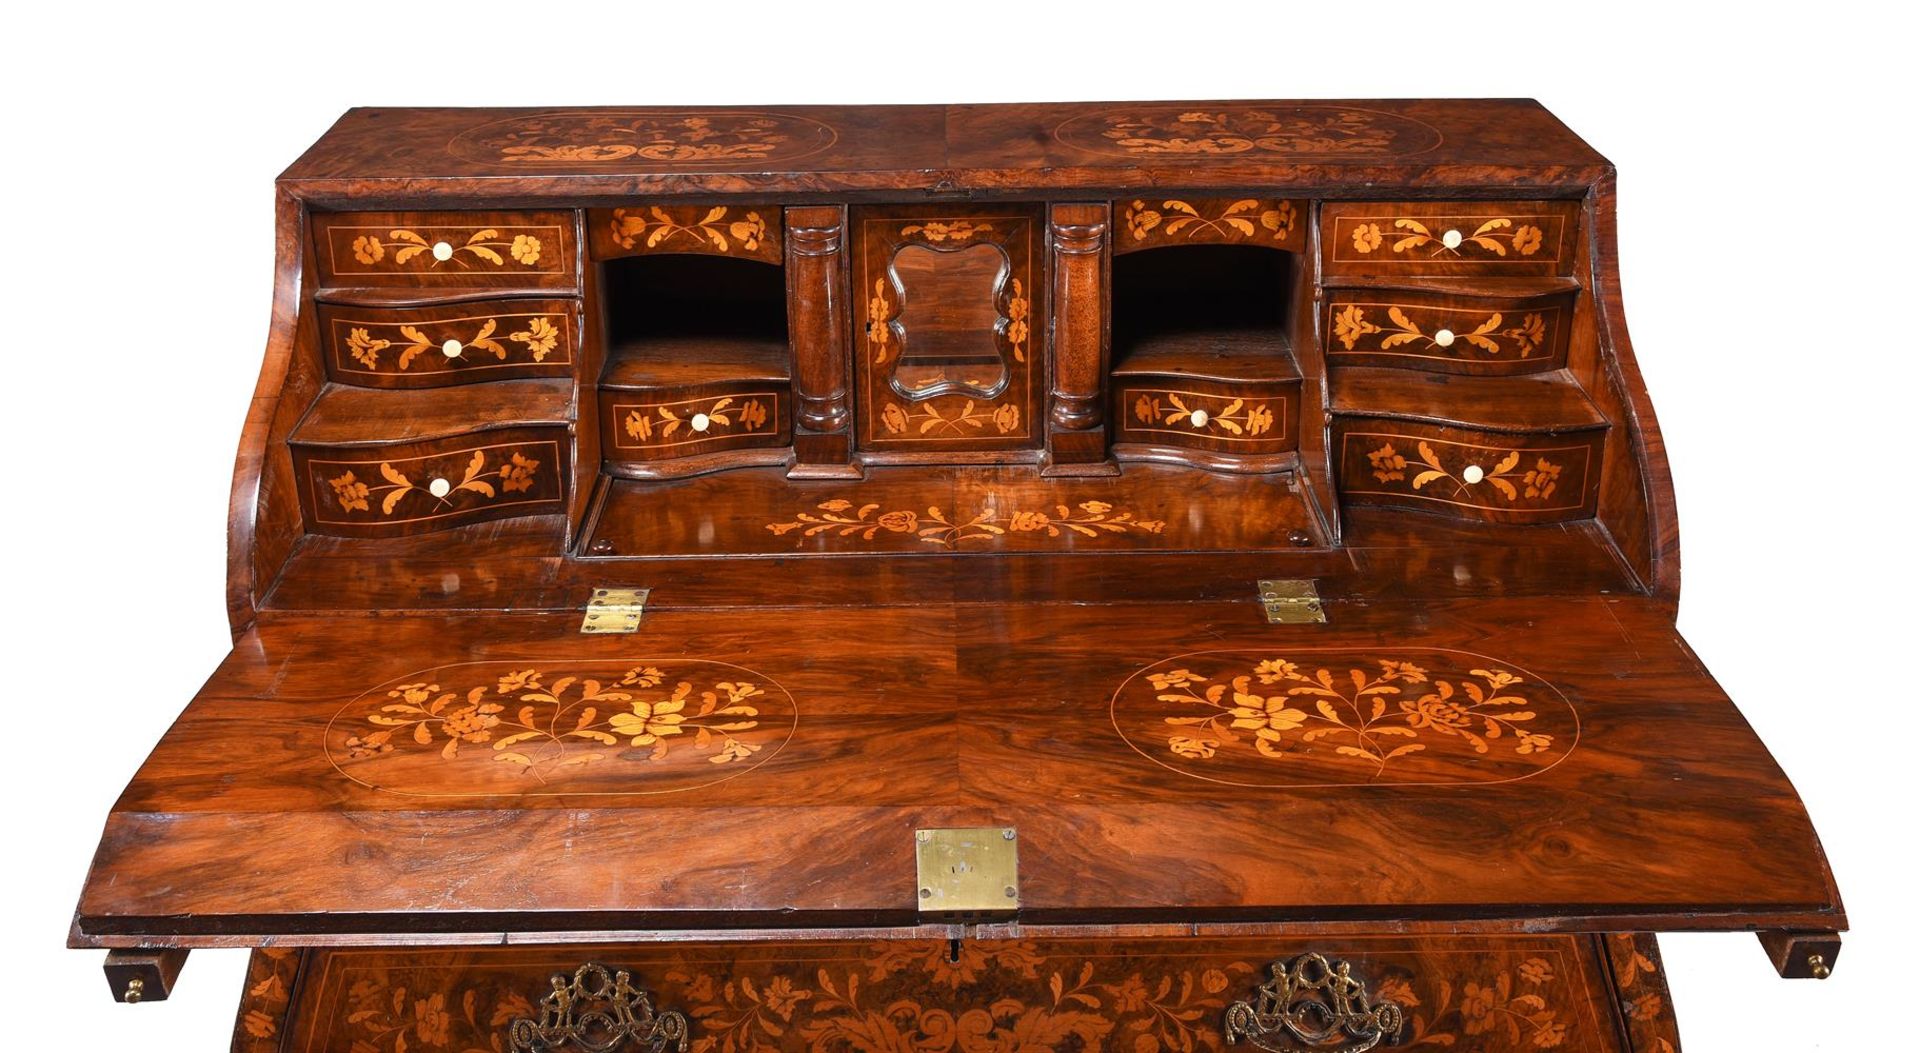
(1388, 465)
(483, 245)
(1495, 236)
(957, 230)
(1536, 483)
(1351, 325)
(1017, 311)
(351, 492)
(365, 347)
(694, 420)
(969, 417)
(1187, 412)
(1238, 220)
(840, 517)
(540, 337)
(656, 226)
(1374, 714)
(1244, 131)
(514, 475)
(879, 333)
(545, 724)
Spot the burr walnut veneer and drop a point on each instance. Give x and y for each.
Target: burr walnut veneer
(968, 457)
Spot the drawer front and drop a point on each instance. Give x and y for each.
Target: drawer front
(1472, 474)
(1154, 222)
(432, 485)
(1488, 994)
(1447, 334)
(751, 232)
(1491, 238)
(659, 425)
(1243, 418)
(439, 250)
(425, 347)
(950, 322)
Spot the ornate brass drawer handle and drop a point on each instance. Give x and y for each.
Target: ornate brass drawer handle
(1310, 1003)
(598, 1011)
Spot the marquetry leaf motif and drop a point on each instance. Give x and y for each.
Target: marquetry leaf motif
(841, 518)
(718, 228)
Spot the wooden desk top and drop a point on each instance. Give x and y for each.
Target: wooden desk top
(1054, 147)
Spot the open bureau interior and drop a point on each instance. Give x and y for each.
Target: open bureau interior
(1095, 576)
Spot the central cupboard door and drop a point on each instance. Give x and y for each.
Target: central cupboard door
(949, 337)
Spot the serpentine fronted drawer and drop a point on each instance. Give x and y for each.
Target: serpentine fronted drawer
(1484, 238)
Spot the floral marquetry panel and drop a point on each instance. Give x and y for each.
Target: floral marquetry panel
(266, 1002)
(666, 138)
(1206, 131)
(537, 728)
(640, 425)
(1229, 418)
(1447, 334)
(1495, 238)
(414, 487)
(1158, 220)
(1339, 717)
(1513, 995)
(419, 347)
(526, 250)
(1641, 983)
(949, 329)
(1507, 478)
(745, 231)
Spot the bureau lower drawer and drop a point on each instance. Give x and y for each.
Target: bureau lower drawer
(1488, 994)
(423, 347)
(408, 488)
(1489, 238)
(438, 250)
(1522, 478)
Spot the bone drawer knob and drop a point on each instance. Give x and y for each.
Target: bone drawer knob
(1473, 474)
(1451, 239)
(452, 349)
(442, 251)
(439, 488)
(1198, 417)
(701, 422)
(1444, 338)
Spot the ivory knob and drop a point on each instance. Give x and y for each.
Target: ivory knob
(442, 251)
(1444, 338)
(701, 422)
(1198, 417)
(1473, 474)
(439, 488)
(1451, 239)
(451, 349)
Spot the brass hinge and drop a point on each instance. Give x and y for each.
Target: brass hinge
(615, 611)
(1291, 601)
(967, 872)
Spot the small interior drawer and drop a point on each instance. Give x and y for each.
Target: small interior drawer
(1522, 478)
(654, 425)
(441, 250)
(1488, 994)
(1446, 332)
(407, 488)
(1510, 238)
(459, 343)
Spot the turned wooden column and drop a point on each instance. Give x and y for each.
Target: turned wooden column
(817, 330)
(1076, 403)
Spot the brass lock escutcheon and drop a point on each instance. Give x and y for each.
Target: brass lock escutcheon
(1310, 1003)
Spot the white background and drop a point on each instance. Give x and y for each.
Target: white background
(1766, 237)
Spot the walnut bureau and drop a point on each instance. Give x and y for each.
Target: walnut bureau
(1132, 576)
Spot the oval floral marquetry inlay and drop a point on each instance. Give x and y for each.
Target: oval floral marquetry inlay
(1340, 716)
(644, 137)
(1261, 131)
(561, 727)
